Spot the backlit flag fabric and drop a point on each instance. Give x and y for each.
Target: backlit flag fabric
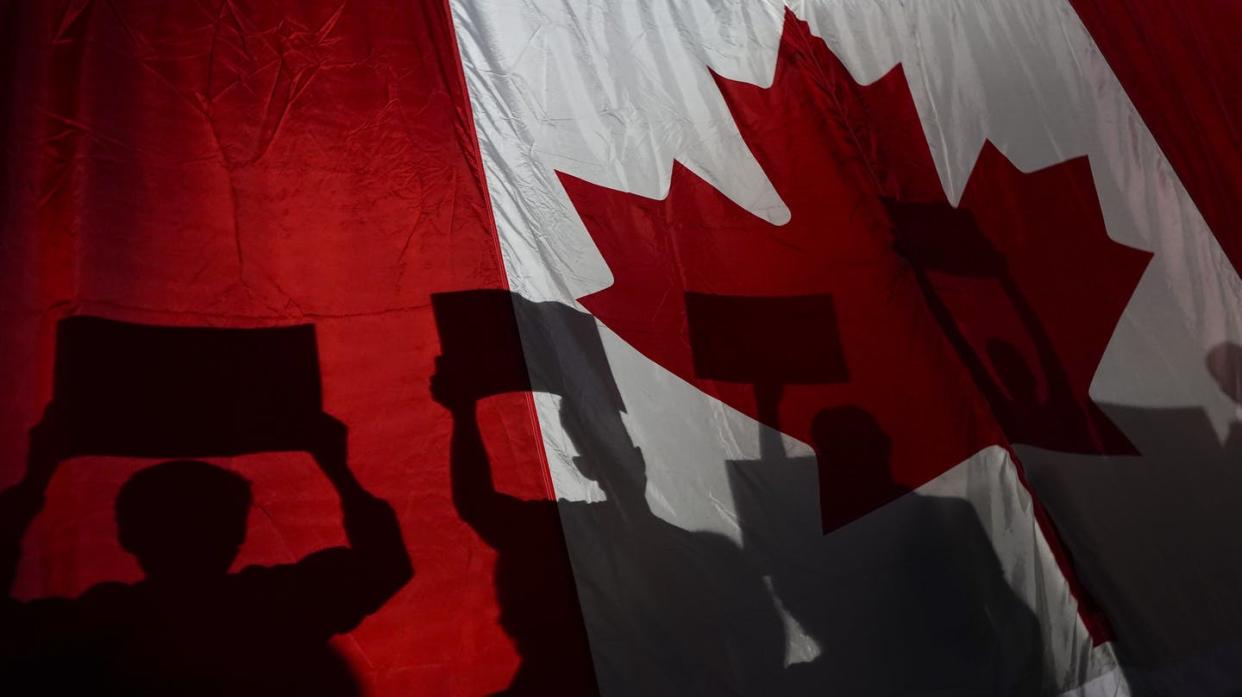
(681, 348)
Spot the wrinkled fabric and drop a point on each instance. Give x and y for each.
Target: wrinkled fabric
(340, 163)
(592, 119)
(252, 165)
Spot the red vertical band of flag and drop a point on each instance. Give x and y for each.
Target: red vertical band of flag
(245, 164)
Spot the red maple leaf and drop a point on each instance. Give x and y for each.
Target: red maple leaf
(901, 334)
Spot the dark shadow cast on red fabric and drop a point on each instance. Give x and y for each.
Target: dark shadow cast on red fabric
(190, 627)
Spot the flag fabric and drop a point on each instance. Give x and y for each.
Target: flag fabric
(682, 347)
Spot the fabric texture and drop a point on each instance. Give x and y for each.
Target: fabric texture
(671, 347)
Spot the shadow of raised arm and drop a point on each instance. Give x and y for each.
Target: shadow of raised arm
(20, 503)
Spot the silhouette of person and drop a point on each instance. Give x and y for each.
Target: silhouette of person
(690, 613)
(695, 611)
(189, 627)
(1056, 419)
(920, 604)
(534, 583)
(1166, 519)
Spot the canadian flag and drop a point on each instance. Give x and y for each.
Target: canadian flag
(955, 213)
(666, 347)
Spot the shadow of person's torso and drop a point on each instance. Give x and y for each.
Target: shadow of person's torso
(694, 611)
(263, 630)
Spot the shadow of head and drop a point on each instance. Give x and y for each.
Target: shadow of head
(854, 449)
(184, 520)
(1224, 363)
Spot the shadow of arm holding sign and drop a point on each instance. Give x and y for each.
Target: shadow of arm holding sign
(481, 356)
(671, 611)
(332, 590)
(190, 627)
(908, 598)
